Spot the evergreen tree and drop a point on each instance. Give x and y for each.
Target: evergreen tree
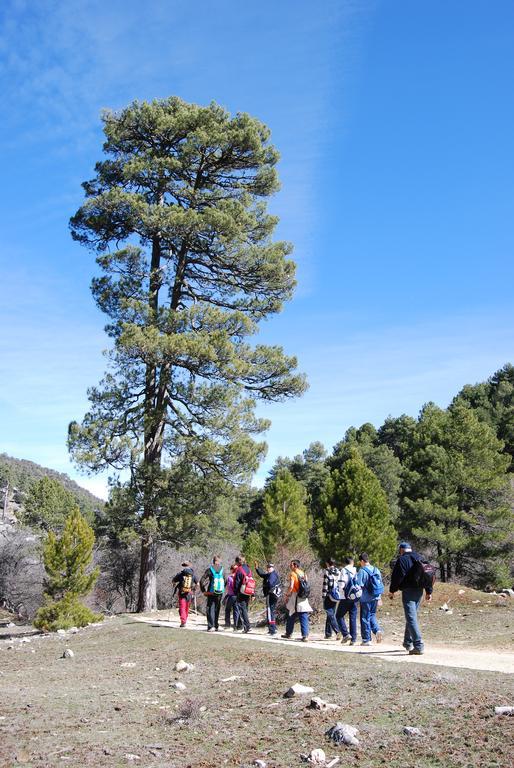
(397, 434)
(67, 559)
(177, 214)
(355, 515)
(286, 520)
(378, 457)
(493, 403)
(457, 489)
(48, 504)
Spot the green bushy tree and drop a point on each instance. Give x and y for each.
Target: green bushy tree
(67, 560)
(286, 520)
(48, 504)
(355, 514)
(177, 214)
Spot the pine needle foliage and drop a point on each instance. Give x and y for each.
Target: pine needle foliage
(67, 560)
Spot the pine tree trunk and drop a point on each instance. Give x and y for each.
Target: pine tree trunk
(147, 599)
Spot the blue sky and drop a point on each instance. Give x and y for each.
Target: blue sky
(394, 121)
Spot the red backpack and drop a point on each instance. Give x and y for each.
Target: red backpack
(248, 583)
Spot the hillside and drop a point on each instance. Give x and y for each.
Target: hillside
(21, 474)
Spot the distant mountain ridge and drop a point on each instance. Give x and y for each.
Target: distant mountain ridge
(21, 474)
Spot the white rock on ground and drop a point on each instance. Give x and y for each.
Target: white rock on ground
(316, 757)
(317, 703)
(68, 654)
(183, 666)
(410, 731)
(260, 763)
(73, 630)
(342, 733)
(61, 632)
(504, 710)
(298, 690)
(178, 686)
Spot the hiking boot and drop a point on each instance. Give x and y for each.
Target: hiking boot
(246, 631)
(366, 642)
(408, 648)
(352, 642)
(416, 652)
(346, 639)
(305, 640)
(182, 625)
(379, 636)
(209, 629)
(285, 637)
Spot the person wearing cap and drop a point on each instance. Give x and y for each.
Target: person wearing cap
(186, 585)
(271, 590)
(405, 579)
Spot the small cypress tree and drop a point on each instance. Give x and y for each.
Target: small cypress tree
(355, 515)
(67, 559)
(286, 520)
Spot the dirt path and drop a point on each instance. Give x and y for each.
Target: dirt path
(436, 655)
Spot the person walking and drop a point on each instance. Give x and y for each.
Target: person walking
(370, 579)
(212, 585)
(330, 601)
(271, 590)
(297, 602)
(244, 588)
(230, 601)
(348, 606)
(407, 577)
(185, 584)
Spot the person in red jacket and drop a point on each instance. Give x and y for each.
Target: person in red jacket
(243, 573)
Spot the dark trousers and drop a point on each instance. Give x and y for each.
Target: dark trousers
(331, 623)
(271, 613)
(231, 608)
(347, 607)
(242, 605)
(213, 611)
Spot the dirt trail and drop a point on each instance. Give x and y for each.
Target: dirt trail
(436, 655)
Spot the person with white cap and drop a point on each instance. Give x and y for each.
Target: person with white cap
(407, 576)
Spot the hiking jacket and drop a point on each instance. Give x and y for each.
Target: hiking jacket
(238, 580)
(330, 576)
(362, 579)
(230, 585)
(269, 580)
(404, 573)
(179, 578)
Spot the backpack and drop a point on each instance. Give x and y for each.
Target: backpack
(352, 590)
(424, 574)
(374, 585)
(272, 585)
(337, 591)
(217, 583)
(304, 588)
(186, 584)
(248, 584)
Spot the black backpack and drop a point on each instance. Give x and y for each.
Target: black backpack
(425, 574)
(304, 589)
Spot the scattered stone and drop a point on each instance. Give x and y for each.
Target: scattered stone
(504, 711)
(128, 664)
(333, 762)
(179, 686)
(475, 602)
(317, 703)
(68, 654)
(183, 666)
(297, 690)
(231, 678)
(342, 733)
(11, 624)
(445, 607)
(316, 757)
(462, 591)
(508, 592)
(73, 630)
(130, 756)
(61, 632)
(25, 640)
(410, 731)
(260, 763)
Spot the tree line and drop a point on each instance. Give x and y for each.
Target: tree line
(443, 480)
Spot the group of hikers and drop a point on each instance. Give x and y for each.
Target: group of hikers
(344, 590)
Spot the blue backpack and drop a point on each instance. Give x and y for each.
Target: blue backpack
(217, 581)
(374, 585)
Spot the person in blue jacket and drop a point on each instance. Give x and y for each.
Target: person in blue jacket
(370, 579)
(271, 590)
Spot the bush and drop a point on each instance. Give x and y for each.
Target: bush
(63, 614)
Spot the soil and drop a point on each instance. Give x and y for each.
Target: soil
(114, 704)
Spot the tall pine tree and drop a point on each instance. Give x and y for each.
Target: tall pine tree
(354, 514)
(177, 214)
(286, 520)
